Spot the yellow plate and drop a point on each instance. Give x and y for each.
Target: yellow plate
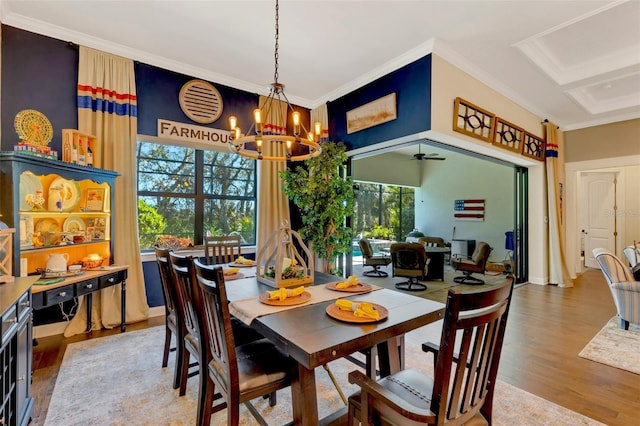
(289, 301)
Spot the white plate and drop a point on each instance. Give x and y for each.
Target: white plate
(73, 224)
(69, 191)
(29, 185)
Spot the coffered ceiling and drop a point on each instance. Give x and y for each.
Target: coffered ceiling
(575, 62)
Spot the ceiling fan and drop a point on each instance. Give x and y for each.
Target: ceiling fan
(420, 156)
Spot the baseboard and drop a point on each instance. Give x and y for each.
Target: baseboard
(55, 328)
(52, 329)
(156, 311)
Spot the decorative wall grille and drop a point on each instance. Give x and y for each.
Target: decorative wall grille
(472, 120)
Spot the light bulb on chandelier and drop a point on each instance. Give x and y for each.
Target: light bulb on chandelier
(261, 133)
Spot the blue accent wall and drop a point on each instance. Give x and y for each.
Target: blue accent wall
(41, 73)
(38, 73)
(158, 92)
(412, 86)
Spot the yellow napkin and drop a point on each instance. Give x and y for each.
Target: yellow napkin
(359, 309)
(230, 271)
(350, 282)
(282, 293)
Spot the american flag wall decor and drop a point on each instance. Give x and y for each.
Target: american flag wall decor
(468, 210)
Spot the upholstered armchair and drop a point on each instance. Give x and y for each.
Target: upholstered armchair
(369, 258)
(476, 264)
(632, 255)
(624, 288)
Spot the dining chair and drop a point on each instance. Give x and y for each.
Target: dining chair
(182, 270)
(188, 297)
(462, 387)
(239, 373)
(221, 249)
(174, 320)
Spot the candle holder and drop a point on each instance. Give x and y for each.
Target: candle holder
(281, 264)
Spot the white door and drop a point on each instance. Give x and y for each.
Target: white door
(599, 219)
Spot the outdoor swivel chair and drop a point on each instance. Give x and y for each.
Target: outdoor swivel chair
(409, 261)
(373, 260)
(476, 264)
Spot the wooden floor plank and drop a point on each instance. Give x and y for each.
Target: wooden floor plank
(547, 328)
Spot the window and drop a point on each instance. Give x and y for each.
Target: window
(387, 206)
(190, 192)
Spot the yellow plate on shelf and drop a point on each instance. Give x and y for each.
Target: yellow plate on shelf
(69, 191)
(73, 224)
(47, 226)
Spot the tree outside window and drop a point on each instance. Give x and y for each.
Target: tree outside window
(188, 193)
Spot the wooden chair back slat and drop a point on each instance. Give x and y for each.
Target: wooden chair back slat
(221, 249)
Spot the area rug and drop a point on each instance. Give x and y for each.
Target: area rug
(615, 347)
(118, 380)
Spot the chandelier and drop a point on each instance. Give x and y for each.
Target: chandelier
(261, 134)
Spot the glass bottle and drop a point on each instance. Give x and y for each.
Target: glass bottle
(89, 154)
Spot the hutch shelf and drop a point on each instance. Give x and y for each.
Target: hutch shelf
(56, 208)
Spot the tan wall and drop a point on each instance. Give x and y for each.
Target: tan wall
(449, 82)
(607, 141)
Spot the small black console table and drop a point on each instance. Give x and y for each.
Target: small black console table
(84, 285)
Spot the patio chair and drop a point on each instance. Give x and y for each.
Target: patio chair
(409, 261)
(462, 388)
(624, 288)
(476, 264)
(373, 260)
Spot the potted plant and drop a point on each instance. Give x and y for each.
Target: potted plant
(324, 196)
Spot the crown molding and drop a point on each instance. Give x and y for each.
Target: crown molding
(601, 121)
(60, 33)
(394, 64)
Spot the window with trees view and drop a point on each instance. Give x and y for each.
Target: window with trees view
(384, 211)
(185, 193)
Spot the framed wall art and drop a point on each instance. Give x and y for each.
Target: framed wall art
(375, 112)
(94, 200)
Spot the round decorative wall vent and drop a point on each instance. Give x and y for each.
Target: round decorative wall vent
(200, 101)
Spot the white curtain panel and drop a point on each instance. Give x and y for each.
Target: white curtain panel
(554, 158)
(273, 205)
(107, 109)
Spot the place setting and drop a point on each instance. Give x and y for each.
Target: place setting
(242, 262)
(350, 285)
(285, 296)
(232, 273)
(356, 311)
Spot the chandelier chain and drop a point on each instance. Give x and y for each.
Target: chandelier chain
(275, 73)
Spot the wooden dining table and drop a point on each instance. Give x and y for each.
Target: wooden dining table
(312, 338)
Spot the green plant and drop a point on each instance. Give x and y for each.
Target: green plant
(150, 224)
(380, 232)
(325, 198)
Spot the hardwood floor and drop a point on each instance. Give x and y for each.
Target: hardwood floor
(547, 328)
